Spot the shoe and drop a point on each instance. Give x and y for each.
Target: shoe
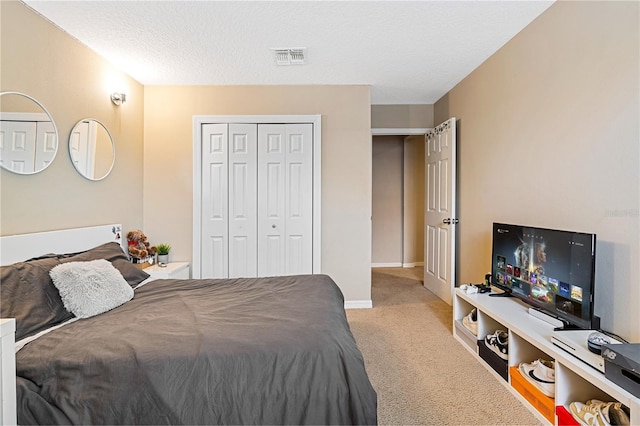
(471, 321)
(588, 414)
(499, 343)
(618, 414)
(615, 412)
(541, 374)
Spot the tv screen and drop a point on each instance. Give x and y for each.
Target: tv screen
(551, 270)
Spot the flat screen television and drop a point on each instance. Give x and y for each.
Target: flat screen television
(552, 270)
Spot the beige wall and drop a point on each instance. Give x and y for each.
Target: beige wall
(387, 199)
(401, 116)
(548, 136)
(72, 82)
(346, 165)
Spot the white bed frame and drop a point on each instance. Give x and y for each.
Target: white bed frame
(16, 248)
(8, 371)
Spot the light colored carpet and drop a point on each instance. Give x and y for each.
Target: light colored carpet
(422, 375)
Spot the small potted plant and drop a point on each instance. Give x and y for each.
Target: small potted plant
(162, 250)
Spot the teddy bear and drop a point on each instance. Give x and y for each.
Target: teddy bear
(139, 247)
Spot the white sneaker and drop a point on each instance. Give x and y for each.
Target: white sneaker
(541, 374)
(588, 414)
(498, 342)
(471, 321)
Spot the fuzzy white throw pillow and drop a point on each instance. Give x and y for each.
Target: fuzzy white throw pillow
(90, 288)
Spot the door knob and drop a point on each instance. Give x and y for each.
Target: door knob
(273, 226)
(449, 221)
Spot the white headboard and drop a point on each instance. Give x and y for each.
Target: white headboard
(16, 248)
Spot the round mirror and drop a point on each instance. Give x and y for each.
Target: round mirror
(92, 149)
(28, 134)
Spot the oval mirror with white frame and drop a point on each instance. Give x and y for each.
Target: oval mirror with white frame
(28, 134)
(92, 150)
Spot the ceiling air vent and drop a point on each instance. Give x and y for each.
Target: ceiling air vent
(290, 56)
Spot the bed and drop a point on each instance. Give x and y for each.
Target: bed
(272, 350)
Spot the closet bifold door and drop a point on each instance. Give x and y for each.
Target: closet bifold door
(229, 200)
(285, 203)
(215, 201)
(257, 200)
(243, 200)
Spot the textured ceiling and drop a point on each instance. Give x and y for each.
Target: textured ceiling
(408, 52)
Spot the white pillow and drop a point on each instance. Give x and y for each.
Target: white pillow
(90, 288)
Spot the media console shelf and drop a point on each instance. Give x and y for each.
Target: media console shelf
(530, 339)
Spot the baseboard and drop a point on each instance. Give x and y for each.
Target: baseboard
(412, 264)
(358, 304)
(387, 265)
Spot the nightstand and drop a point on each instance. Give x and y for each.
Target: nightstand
(179, 270)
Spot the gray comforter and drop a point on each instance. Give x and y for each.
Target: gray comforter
(241, 351)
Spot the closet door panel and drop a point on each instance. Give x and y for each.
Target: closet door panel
(271, 202)
(243, 195)
(298, 198)
(215, 207)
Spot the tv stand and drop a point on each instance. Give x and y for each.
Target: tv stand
(530, 339)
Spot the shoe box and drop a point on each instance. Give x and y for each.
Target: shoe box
(622, 366)
(564, 417)
(498, 364)
(465, 334)
(544, 404)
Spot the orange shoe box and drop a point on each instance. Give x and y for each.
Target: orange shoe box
(542, 403)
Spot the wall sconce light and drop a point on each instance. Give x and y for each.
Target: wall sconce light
(118, 98)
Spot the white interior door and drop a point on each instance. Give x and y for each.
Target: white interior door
(440, 210)
(243, 197)
(299, 199)
(257, 200)
(271, 187)
(215, 208)
(285, 202)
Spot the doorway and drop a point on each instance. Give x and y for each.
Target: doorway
(398, 197)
